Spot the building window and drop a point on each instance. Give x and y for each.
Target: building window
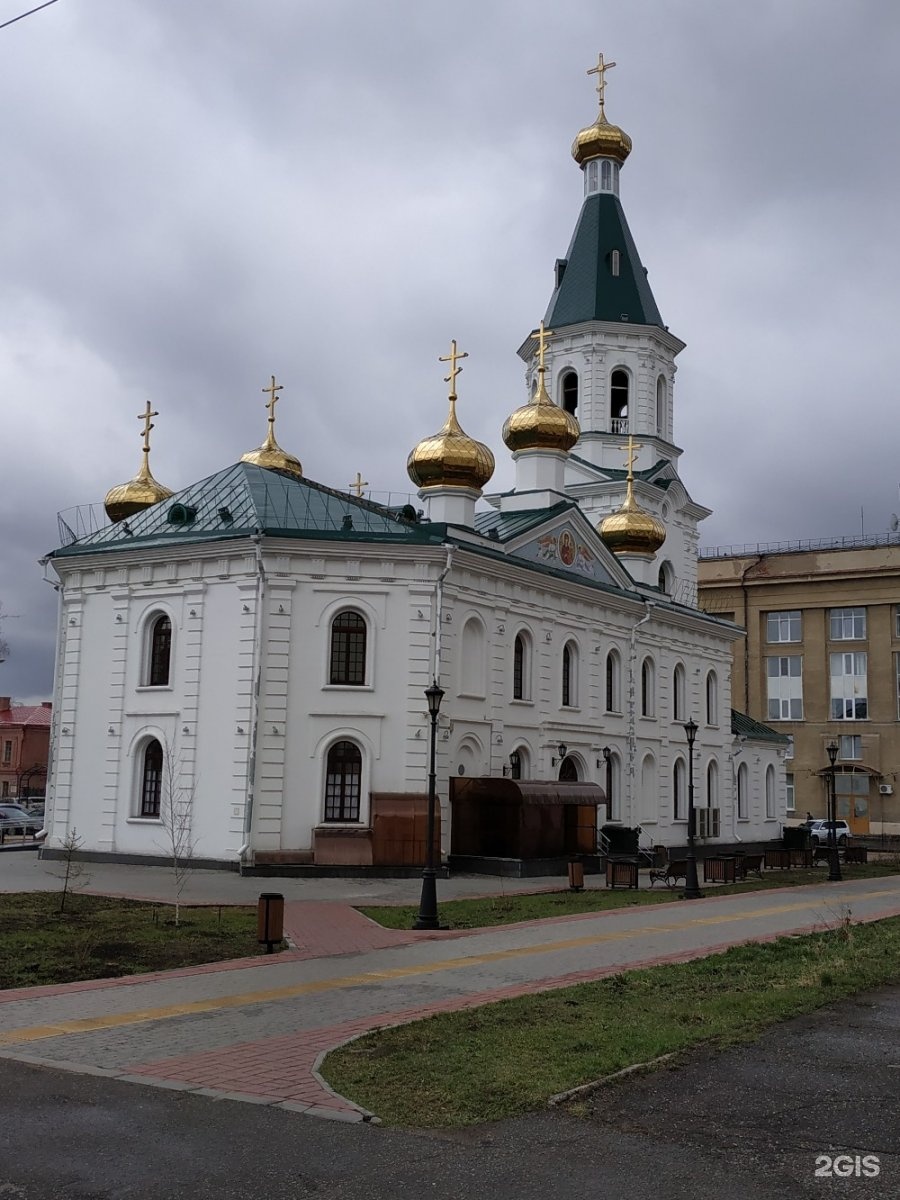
(7, 753)
(648, 688)
(569, 389)
(521, 667)
(348, 649)
(712, 785)
(848, 624)
(791, 802)
(614, 682)
(770, 793)
(783, 626)
(569, 676)
(849, 690)
(678, 693)
(851, 745)
(343, 778)
(785, 687)
(712, 699)
(151, 779)
(618, 401)
(159, 659)
(679, 789)
(743, 783)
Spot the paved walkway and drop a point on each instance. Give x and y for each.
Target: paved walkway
(256, 1029)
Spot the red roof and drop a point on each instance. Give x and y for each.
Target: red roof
(27, 714)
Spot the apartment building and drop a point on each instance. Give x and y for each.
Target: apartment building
(821, 663)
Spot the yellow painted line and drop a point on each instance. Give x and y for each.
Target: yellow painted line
(213, 1004)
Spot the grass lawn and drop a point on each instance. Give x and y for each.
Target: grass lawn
(99, 936)
(507, 1058)
(504, 910)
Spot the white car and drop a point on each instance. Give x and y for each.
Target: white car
(819, 832)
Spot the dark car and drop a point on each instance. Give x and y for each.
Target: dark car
(15, 819)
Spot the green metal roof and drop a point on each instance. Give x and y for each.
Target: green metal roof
(744, 726)
(588, 290)
(245, 499)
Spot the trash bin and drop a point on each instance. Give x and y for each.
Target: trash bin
(576, 875)
(270, 919)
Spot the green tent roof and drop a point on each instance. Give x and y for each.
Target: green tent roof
(587, 289)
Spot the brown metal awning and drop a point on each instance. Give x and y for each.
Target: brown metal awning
(496, 789)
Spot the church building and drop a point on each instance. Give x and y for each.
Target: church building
(242, 664)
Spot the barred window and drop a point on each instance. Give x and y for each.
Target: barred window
(348, 649)
(151, 779)
(343, 778)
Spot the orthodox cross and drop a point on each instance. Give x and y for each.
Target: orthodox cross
(633, 447)
(543, 337)
(148, 425)
(273, 399)
(451, 358)
(358, 484)
(600, 71)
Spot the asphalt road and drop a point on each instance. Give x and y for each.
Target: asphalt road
(751, 1122)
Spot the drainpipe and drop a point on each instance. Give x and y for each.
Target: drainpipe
(632, 728)
(254, 716)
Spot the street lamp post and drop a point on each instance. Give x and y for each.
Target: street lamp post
(834, 866)
(691, 883)
(428, 911)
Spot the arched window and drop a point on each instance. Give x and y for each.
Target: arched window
(648, 688)
(678, 693)
(343, 779)
(569, 392)
(159, 658)
(569, 676)
(712, 785)
(472, 675)
(521, 667)
(151, 779)
(661, 406)
(679, 791)
(712, 698)
(743, 785)
(348, 649)
(613, 682)
(770, 792)
(618, 401)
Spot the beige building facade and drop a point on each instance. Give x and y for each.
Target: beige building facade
(821, 663)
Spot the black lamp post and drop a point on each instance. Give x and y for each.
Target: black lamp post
(607, 757)
(428, 912)
(834, 866)
(691, 883)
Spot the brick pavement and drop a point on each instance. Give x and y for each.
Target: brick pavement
(266, 1047)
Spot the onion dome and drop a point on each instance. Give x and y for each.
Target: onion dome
(450, 458)
(540, 424)
(601, 140)
(139, 493)
(270, 454)
(631, 530)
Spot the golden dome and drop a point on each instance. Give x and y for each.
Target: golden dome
(540, 424)
(139, 493)
(601, 140)
(631, 530)
(450, 458)
(270, 454)
(132, 497)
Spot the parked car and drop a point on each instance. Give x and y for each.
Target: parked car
(15, 819)
(819, 832)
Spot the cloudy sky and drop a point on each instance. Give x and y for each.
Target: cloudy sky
(196, 195)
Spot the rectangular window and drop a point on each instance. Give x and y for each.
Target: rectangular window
(849, 692)
(789, 786)
(785, 687)
(851, 745)
(783, 626)
(848, 624)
